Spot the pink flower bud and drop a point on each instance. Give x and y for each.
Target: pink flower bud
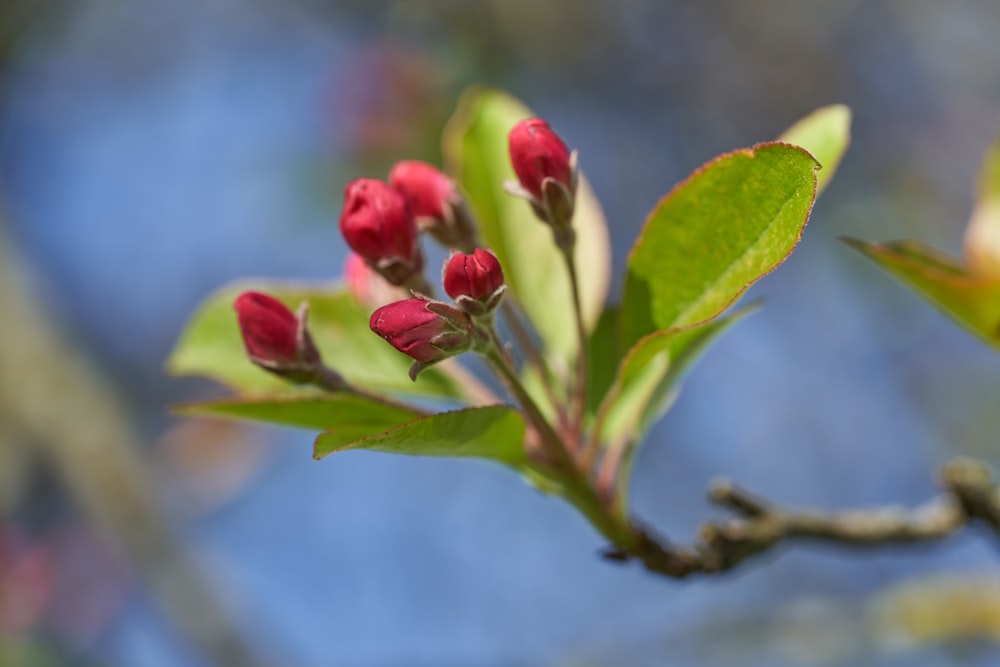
(537, 153)
(377, 224)
(436, 203)
(477, 276)
(427, 190)
(410, 327)
(269, 328)
(359, 277)
(367, 286)
(278, 340)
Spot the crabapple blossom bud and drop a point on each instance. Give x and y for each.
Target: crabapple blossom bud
(427, 189)
(982, 240)
(358, 276)
(475, 281)
(376, 221)
(275, 338)
(413, 328)
(547, 175)
(269, 328)
(537, 153)
(435, 201)
(377, 224)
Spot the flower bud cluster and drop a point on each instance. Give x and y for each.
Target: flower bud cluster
(382, 221)
(429, 331)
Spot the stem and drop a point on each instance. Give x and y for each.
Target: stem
(332, 382)
(576, 486)
(418, 283)
(533, 357)
(475, 391)
(607, 474)
(593, 444)
(579, 391)
(550, 439)
(329, 380)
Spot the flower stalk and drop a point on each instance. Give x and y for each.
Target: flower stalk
(578, 394)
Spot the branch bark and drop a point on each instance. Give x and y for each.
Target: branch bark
(970, 495)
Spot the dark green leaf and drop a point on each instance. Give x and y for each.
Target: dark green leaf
(602, 357)
(730, 223)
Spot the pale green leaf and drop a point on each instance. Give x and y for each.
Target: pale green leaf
(826, 134)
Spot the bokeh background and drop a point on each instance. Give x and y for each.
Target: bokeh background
(152, 150)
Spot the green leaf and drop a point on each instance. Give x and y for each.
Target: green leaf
(642, 373)
(686, 348)
(647, 377)
(602, 358)
(730, 223)
(211, 346)
(475, 147)
(973, 301)
(312, 411)
(968, 292)
(495, 432)
(646, 385)
(826, 134)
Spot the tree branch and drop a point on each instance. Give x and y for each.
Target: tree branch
(970, 495)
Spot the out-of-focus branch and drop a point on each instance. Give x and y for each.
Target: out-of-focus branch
(971, 483)
(54, 401)
(970, 495)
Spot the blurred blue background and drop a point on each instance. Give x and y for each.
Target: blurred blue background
(150, 151)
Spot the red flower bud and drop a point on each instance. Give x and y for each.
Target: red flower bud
(278, 340)
(377, 224)
(274, 336)
(537, 153)
(269, 328)
(477, 276)
(419, 333)
(436, 203)
(427, 190)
